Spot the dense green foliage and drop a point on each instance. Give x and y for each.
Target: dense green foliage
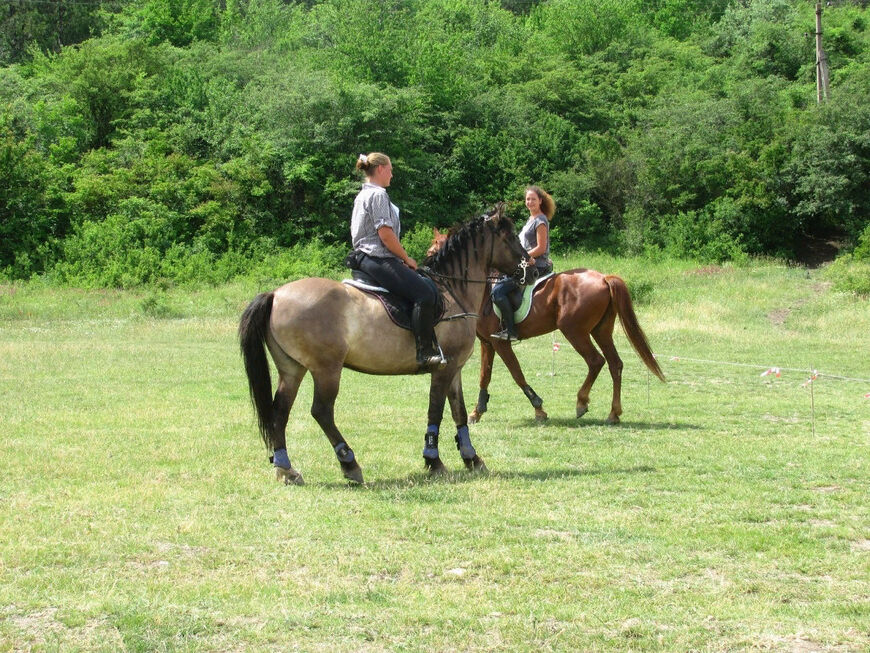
(195, 139)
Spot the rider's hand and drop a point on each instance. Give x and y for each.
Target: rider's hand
(411, 263)
(531, 260)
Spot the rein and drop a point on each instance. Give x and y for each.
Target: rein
(447, 286)
(429, 272)
(460, 316)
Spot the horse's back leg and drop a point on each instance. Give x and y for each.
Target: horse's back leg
(285, 395)
(603, 334)
(582, 343)
(290, 375)
(326, 384)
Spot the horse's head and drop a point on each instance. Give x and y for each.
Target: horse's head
(438, 240)
(508, 255)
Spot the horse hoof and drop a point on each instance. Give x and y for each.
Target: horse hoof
(474, 418)
(353, 474)
(581, 411)
(435, 466)
(355, 477)
(541, 415)
(476, 465)
(612, 419)
(288, 476)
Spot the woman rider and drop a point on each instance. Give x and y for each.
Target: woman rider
(535, 237)
(375, 231)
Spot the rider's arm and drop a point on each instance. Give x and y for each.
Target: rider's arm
(388, 238)
(541, 248)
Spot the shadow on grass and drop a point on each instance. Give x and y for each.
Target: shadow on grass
(574, 422)
(417, 480)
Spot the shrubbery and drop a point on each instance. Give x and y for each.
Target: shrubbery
(851, 272)
(195, 142)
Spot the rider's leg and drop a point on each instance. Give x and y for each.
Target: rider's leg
(501, 298)
(398, 278)
(423, 326)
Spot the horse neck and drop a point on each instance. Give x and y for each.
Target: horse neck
(466, 284)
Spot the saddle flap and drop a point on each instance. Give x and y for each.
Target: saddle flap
(397, 308)
(525, 306)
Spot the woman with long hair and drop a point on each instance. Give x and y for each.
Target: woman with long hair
(535, 237)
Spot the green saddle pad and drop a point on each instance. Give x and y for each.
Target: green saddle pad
(526, 305)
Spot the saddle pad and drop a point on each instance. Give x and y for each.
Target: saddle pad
(397, 308)
(362, 285)
(526, 305)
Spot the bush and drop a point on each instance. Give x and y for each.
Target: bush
(28, 218)
(850, 274)
(418, 240)
(701, 236)
(862, 251)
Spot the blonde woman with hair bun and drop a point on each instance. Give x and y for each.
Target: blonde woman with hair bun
(375, 230)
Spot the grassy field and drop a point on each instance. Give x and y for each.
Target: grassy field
(729, 510)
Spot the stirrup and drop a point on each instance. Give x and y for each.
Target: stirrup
(432, 359)
(504, 334)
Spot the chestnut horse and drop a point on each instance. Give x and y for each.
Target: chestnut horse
(580, 303)
(583, 305)
(323, 326)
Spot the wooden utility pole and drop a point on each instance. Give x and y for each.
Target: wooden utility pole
(822, 74)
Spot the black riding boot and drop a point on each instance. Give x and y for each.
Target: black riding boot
(509, 330)
(422, 324)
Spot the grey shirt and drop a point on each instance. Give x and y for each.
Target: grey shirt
(372, 209)
(529, 238)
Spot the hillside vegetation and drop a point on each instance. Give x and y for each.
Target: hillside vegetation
(196, 140)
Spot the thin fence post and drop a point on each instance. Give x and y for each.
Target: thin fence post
(553, 354)
(813, 402)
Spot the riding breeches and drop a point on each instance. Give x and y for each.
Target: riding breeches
(399, 279)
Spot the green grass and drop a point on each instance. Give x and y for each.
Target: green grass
(727, 512)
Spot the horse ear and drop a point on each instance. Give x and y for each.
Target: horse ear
(435, 233)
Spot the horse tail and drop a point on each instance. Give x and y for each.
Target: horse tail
(253, 327)
(625, 309)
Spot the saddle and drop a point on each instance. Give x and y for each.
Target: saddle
(398, 308)
(521, 300)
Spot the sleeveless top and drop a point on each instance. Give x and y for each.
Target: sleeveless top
(372, 209)
(529, 238)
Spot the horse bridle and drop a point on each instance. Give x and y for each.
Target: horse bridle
(523, 265)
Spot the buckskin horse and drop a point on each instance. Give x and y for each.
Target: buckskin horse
(583, 304)
(324, 326)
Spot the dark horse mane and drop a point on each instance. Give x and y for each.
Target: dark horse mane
(462, 238)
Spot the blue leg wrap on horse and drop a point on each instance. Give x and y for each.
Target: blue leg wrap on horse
(482, 400)
(344, 453)
(280, 459)
(535, 400)
(463, 443)
(430, 448)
